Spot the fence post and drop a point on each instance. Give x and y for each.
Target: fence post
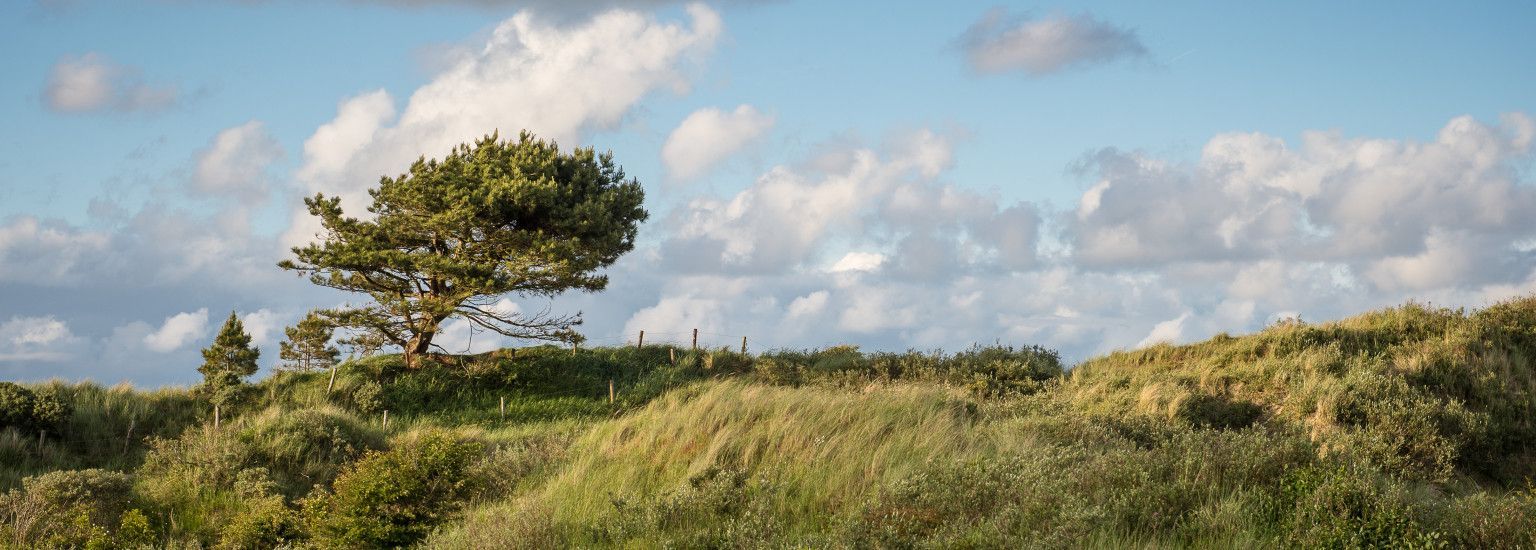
(386, 418)
(641, 342)
(503, 407)
(610, 391)
(743, 345)
(695, 339)
(41, 435)
(332, 384)
(672, 354)
(215, 416)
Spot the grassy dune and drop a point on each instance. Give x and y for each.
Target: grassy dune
(1406, 427)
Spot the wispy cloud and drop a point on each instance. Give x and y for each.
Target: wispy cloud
(1001, 42)
(91, 82)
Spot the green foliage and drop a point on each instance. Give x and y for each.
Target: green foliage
(990, 372)
(265, 521)
(308, 345)
(65, 508)
(368, 397)
(393, 498)
(27, 410)
(451, 236)
(17, 405)
(228, 361)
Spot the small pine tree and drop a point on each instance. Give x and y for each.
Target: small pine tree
(228, 361)
(308, 346)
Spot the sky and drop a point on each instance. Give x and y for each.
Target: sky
(1086, 177)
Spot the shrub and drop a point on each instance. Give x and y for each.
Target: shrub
(368, 398)
(393, 498)
(265, 521)
(16, 405)
(1348, 507)
(66, 508)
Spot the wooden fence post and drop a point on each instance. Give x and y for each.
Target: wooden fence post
(610, 391)
(641, 342)
(695, 339)
(503, 407)
(743, 345)
(672, 354)
(332, 384)
(386, 418)
(215, 416)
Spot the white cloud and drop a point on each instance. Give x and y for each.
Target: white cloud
(708, 136)
(177, 331)
(40, 339)
(888, 202)
(1371, 204)
(858, 261)
(1000, 42)
(1169, 331)
(264, 325)
(49, 254)
(807, 306)
(554, 80)
(235, 164)
(92, 83)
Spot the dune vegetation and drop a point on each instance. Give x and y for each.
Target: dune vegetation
(1406, 427)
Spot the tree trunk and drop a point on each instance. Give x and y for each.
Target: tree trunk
(418, 347)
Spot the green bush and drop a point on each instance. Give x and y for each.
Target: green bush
(66, 508)
(16, 406)
(393, 498)
(265, 520)
(368, 397)
(1337, 506)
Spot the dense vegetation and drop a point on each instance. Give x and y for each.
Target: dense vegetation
(1407, 427)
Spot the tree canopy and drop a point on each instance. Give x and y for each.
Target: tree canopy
(308, 345)
(451, 237)
(228, 360)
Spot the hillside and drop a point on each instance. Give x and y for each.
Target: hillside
(1410, 426)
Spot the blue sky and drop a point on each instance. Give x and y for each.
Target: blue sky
(1084, 176)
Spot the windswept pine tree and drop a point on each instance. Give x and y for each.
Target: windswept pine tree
(308, 347)
(453, 236)
(228, 361)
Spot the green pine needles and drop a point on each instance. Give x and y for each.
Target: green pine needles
(228, 361)
(451, 237)
(308, 345)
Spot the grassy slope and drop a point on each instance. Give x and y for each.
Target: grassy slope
(1404, 426)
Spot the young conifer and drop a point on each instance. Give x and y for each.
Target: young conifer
(308, 345)
(228, 360)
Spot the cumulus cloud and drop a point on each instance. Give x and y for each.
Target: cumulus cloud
(178, 330)
(1407, 214)
(709, 136)
(47, 253)
(236, 162)
(40, 339)
(881, 201)
(558, 81)
(91, 82)
(1001, 42)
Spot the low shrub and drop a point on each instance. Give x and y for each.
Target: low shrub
(393, 498)
(65, 509)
